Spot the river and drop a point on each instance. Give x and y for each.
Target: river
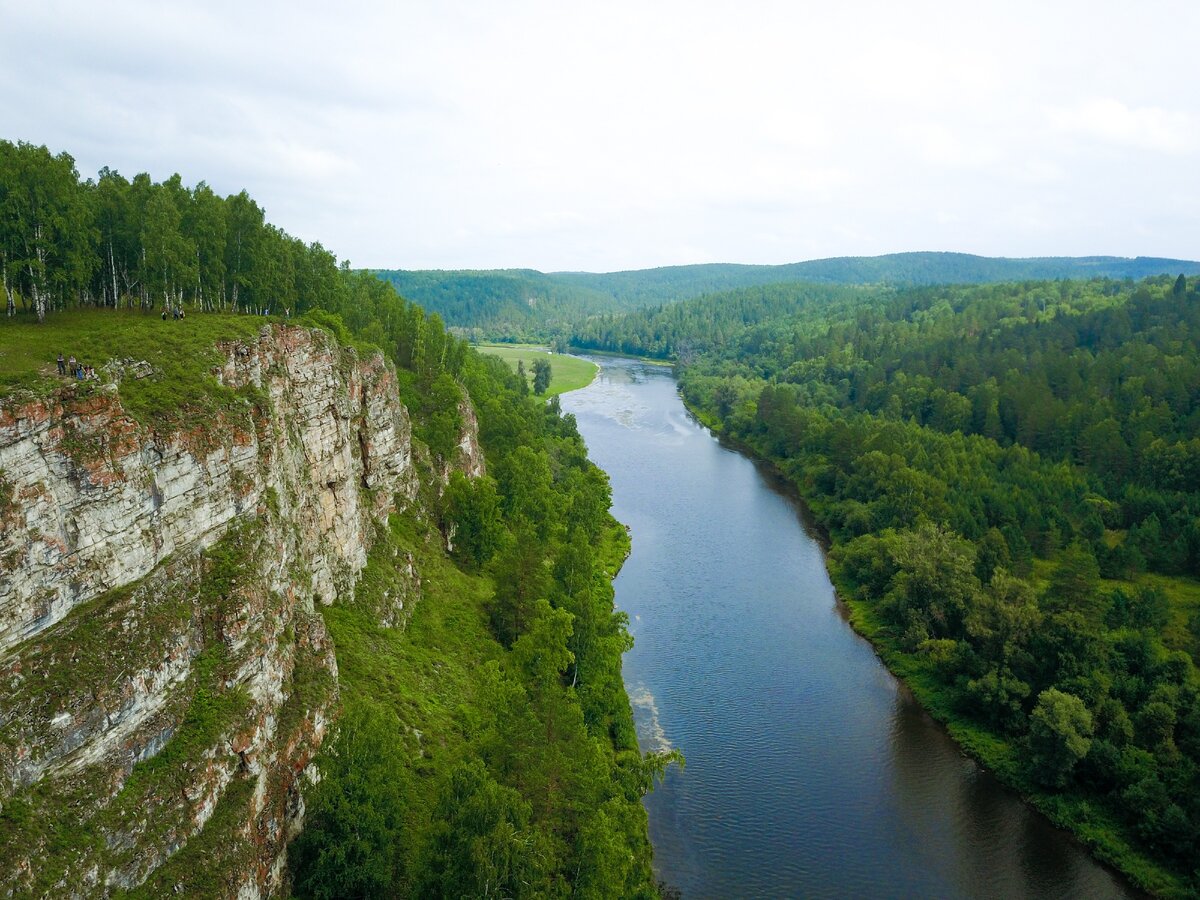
(811, 772)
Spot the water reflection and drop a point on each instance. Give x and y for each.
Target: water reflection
(810, 771)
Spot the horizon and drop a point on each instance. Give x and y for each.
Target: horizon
(794, 262)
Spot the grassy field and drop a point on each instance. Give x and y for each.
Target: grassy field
(567, 373)
(179, 353)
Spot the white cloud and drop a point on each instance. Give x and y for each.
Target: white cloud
(1146, 128)
(623, 134)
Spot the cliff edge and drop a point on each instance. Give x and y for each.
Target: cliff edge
(165, 675)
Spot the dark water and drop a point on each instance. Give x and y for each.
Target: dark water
(810, 771)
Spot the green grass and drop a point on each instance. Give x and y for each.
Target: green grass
(1182, 592)
(181, 387)
(210, 863)
(426, 674)
(567, 373)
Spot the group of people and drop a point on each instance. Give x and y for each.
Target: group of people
(76, 369)
(175, 311)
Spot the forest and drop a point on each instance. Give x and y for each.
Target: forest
(510, 304)
(1009, 475)
(516, 771)
(134, 243)
(523, 304)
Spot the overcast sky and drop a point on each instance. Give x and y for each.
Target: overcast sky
(612, 135)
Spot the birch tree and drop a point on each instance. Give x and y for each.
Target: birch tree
(243, 238)
(205, 226)
(47, 230)
(120, 239)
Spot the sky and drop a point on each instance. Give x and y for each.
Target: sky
(605, 136)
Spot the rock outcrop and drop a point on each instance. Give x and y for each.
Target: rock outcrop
(165, 674)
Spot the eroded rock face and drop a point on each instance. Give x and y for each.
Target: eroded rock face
(99, 502)
(157, 606)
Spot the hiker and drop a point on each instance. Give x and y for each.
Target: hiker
(62, 365)
(164, 315)
(71, 364)
(79, 374)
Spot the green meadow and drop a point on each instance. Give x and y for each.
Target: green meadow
(567, 373)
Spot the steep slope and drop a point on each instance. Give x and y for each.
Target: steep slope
(505, 302)
(167, 674)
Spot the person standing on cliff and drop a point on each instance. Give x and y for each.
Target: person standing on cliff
(71, 365)
(62, 365)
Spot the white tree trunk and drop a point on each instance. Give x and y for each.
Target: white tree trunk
(11, 309)
(39, 296)
(112, 268)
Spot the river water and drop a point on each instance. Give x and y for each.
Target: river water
(810, 770)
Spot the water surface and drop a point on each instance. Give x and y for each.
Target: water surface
(810, 771)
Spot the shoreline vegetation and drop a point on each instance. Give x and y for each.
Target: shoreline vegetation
(996, 757)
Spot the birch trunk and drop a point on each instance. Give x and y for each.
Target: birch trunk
(112, 268)
(39, 297)
(11, 309)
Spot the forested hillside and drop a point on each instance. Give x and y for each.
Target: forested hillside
(488, 747)
(1010, 476)
(511, 304)
(685, 330)
(520, 304)
(650, 287)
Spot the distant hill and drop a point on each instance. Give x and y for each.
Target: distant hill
(647, 287)
(528, 303)
(502, 302)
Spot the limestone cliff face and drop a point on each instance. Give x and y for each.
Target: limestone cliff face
(165, 676)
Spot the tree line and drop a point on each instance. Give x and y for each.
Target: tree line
(115, 242)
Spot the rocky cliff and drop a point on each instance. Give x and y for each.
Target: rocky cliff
(165, 674)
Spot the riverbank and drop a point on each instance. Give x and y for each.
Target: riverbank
(567, 373)
(1092, 826)
(811, 770)
(612, 354)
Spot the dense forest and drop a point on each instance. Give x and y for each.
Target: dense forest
(511, 304)
(1010, 478)
(117, 242)
(652, 287)
(515, 771)
(682, 331)
(522, 304)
